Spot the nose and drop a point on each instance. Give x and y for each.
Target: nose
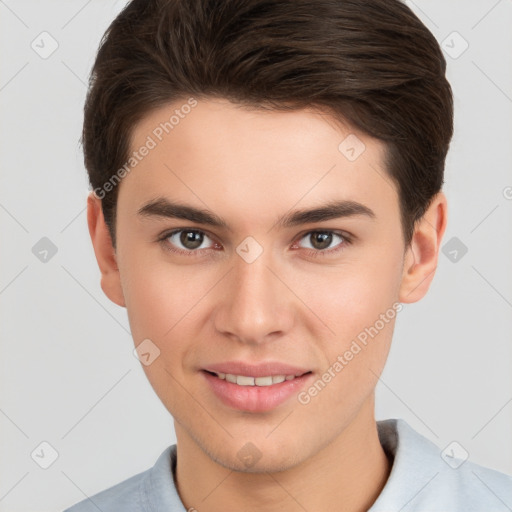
(254, 306)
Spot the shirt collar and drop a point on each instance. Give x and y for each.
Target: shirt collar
(416, 463)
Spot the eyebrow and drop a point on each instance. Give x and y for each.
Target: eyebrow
(162, 207)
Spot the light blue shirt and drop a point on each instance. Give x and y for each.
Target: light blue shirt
(422, 479)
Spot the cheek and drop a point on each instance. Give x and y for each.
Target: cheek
(162, 307)
(363, 321)
(158, 294)
(349, 299)
(358, 304)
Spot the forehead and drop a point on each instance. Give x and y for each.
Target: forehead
(253, 161)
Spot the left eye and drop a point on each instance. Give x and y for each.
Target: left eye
(189, 239)
(321, 240)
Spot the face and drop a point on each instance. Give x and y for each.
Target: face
(235, 277)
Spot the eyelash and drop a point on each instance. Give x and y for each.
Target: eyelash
(346, 241)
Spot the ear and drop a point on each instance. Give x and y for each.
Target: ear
(420, 261)
(104, 251)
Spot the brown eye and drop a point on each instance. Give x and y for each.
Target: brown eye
(191, 239)
(188, 240)
(321, 242)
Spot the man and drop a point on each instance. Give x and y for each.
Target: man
(267, 193)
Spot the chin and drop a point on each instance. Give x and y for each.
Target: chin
(256, 457)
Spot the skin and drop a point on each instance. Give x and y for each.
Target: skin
(291, 304)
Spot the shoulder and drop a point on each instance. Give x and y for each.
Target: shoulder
(425, 477)
(126, 494)
(139, 493)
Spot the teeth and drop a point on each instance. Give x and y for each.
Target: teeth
(243, 380)
(262, 381)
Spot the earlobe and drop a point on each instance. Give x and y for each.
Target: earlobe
(422, 255)
(104, 251)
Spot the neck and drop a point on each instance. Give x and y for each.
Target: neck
(347, 475)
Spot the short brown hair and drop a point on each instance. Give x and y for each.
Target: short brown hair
(371, 63)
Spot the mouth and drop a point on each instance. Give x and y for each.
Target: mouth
(246, 380)
(256, 394)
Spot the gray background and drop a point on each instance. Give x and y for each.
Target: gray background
(68, 375)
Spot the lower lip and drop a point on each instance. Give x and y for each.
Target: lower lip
(255, 398)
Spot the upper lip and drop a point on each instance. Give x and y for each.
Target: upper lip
(263, 369)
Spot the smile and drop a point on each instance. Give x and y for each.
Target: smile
(244, 380)
(255, 394)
